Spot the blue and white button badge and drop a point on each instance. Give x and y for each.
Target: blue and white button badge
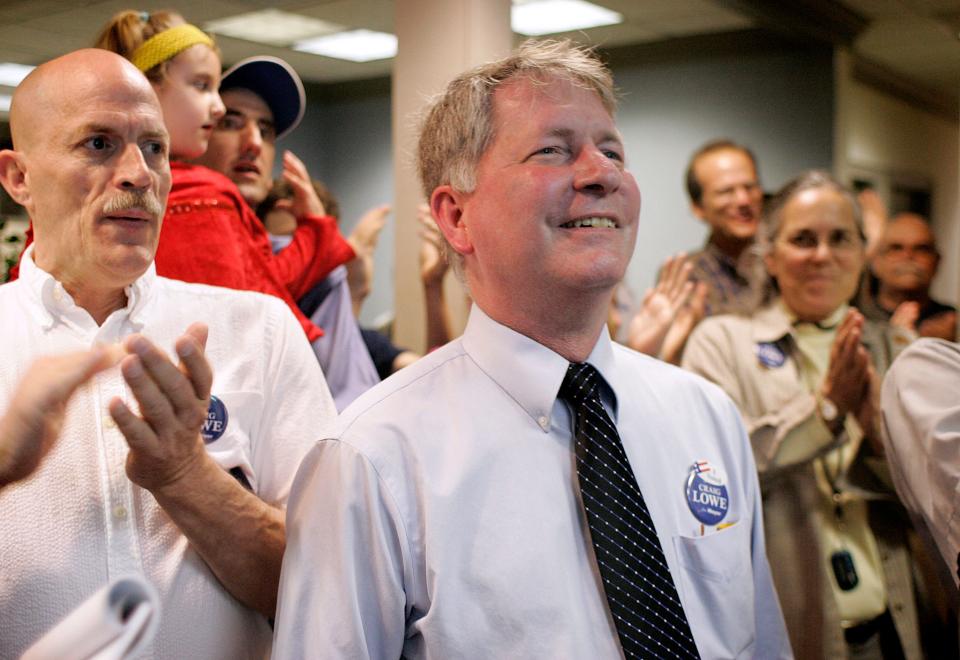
(770, 354)
(216, 422)
(707, 494)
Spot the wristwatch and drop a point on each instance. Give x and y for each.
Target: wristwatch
(830, 414)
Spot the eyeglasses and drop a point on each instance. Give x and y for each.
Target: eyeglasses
(900, 251)
(838, 240)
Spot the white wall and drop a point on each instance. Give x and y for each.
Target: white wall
(780, 104)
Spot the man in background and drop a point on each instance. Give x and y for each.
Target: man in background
(265, 101)
(904, 266)
(725, 193)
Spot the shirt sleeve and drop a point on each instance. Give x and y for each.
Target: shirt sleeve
(772, 639)
(780, 438)
(921, 433)
(342, 587)
(297, 408)
(316, 249)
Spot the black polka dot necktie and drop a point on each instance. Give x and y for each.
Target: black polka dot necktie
(640, 591)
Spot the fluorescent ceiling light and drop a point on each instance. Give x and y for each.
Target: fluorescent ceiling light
(5, 100)
(11, 74)
(271, 26)
(355, 45)
(536, 17)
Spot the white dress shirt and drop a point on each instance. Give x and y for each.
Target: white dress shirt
(921, 432)
(442, 519)
(79, 522)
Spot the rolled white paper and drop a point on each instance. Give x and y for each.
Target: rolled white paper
(115, 622)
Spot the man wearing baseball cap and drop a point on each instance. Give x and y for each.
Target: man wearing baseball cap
(265, 100)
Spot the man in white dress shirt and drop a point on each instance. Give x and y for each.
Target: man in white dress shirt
(445, 517)
(175, 470)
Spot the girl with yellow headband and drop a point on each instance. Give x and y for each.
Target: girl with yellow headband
(209, 233)
(183, 65)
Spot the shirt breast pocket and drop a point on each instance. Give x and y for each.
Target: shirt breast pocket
(228, 431)
(717, 576)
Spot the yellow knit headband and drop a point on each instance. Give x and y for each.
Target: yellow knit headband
(165, 45)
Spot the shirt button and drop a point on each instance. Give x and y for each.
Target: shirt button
(120, 512)
(108, 422)
(58, 294)
(543, 422)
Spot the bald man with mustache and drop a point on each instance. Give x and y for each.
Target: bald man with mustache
(143, 425)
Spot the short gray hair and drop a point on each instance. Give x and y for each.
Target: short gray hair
(773, 212)
(459, 123)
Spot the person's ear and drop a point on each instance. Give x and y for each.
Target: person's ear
(447, 208)
(698, 211)
(13, 176)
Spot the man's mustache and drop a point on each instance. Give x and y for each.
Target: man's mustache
(908, 268)
(140, 200)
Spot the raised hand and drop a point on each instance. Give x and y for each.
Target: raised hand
(433, 265)
(660, 306)
(164, 439)
(905, 316)
(848, 373)
(305, 199)
(687, 319)
(34, 419)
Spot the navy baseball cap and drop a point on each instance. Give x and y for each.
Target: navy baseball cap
(276, 83)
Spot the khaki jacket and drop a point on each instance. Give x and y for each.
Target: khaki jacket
(735, 352)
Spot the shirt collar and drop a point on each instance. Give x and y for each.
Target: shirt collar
(56, 304)
(772, 323)
(529, 372)
(776, 321)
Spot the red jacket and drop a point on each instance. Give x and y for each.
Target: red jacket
(210, 236)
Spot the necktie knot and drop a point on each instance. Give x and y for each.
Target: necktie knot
(580, 383)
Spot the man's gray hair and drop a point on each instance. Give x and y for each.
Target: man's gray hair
(459, 123)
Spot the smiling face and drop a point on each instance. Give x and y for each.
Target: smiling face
(818, 254)
(191, 104)
(243, 146)
(554, 211)
(732, 198)
(93, 169)
(908, 258)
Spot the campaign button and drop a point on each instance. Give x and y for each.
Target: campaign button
(707, 494)
(770, 354)
(216, 422)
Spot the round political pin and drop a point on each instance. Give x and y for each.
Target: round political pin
(216, 422)
(770, 354)
(707, 494)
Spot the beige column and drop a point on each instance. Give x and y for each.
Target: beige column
(438, 39)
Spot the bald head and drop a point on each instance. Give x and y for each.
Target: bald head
(90, 165)
(58, 86)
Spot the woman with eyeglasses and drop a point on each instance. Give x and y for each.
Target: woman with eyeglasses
(804, 371)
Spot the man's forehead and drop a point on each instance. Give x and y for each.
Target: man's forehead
(722, 163)
(143, 119)
(545, 100)
(247, 102)
(910, 227)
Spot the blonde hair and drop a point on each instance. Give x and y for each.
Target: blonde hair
(459, 123)
(130, 29)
